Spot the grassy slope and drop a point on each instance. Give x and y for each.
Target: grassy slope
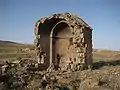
(105, 55)
(12, 50)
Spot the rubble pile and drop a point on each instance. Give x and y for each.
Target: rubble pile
(18, 74)
(26, 74)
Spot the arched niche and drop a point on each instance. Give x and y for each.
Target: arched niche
(59, 43)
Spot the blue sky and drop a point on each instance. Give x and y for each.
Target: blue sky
(17, 18)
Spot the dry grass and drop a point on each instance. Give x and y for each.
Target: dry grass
(14, 50)
(106, 55)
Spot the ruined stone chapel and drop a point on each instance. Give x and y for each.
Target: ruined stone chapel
(63, 38)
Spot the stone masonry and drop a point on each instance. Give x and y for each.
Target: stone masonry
(63, 39)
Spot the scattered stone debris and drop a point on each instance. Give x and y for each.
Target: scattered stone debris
(25, 75)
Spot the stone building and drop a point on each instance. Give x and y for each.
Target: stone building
(63, 38)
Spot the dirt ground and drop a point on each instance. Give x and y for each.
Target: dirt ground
(21, 72)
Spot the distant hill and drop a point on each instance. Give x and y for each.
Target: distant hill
(98, 54)
(10, 46)
(8, 42)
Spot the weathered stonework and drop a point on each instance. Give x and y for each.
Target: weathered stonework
(64, 37)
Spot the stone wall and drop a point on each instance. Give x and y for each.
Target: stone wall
(79, 38)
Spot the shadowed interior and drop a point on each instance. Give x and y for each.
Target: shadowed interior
(60, 43)
(44, 32)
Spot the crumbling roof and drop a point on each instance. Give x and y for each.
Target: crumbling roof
(70, 18)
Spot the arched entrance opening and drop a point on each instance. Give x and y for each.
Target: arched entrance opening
(44, 30)
(59, 44)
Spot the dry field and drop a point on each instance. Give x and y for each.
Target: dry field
(104, 76)
(14, 50)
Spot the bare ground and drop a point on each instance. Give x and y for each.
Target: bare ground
(104, 76)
